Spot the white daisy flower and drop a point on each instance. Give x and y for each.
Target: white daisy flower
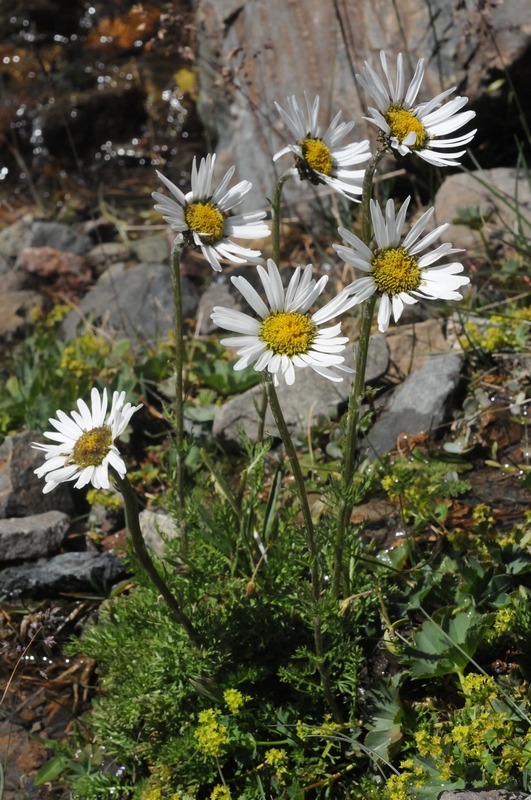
(201, 216)
(286, 336)
(86, 450)
(416, 128)
(396, 271)
(320, 160)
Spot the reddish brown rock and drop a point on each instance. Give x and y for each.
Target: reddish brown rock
(63, 273)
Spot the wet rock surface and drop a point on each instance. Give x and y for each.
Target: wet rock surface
(481, 794)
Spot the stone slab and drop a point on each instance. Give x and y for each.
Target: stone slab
(32, 537)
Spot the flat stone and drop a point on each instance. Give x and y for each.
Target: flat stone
(500, 191)
(22, 754)
(13, 238)
(410, 345)
(103, 255)
(62, 272)
(137, 304)
(152, 248)
(157, 529)
(311, 400)
(58, 236)
(32, 537)
(14, 310)
(65, 573)
(421, 403)
(20, 489)
(217, 294)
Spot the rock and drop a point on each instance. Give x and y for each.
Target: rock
(65, 573)
(63, 273)
(58, 236)
(464, 189)
(251, 55)
(217, 294)
(310, 400)
(32, 537)
(5, 264)
(421, 403)
(482, 794)
(14, 310)
(13, 238)
(138, 304)
(20, 489)
(103, 255)
(152, 248)
(153, 525)
(410, 345)
(21, 753)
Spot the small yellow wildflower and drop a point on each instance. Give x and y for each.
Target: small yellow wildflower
(423, 742)
(211, 735)
(235, 700)
(219, 792)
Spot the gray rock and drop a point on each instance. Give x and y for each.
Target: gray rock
(152, 248)
(65, 573)
(153, 525)
(13, 239)
(106, 253)
(510, 190)
(20, 489)
(32, 537)
(481, 794)
(421, 403)
(137, 304)
(217, 294)
(312, 399)
(58, 236)
(253, 53)
(15, 308)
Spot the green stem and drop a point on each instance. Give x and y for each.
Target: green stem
(179, 364)
(357, 390)
(311, 541)
(275, 209)
(133, 525)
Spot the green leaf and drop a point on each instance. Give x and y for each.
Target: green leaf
(50, 770)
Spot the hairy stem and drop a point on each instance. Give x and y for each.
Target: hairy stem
(275, 208)
(179, 364)
(133, 525)
(311, 541)
(357, 389)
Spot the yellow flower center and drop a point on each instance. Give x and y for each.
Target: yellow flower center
(394, 270)
(206, 220)
(288, 333)
(317, 155)
(402, 123)
(92, 447)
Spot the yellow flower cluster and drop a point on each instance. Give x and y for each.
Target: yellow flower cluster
(219, 792)
(235, 700)
(277, 758)
(504, 620)
(401, 787)
(211, 735)
(479, 687)
(489, 729)
(502, 331)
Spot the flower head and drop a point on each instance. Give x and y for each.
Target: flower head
(201, 216)
(415, 128)
(85, 448)
(318, 159)
(286, 336)
(396, 270)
